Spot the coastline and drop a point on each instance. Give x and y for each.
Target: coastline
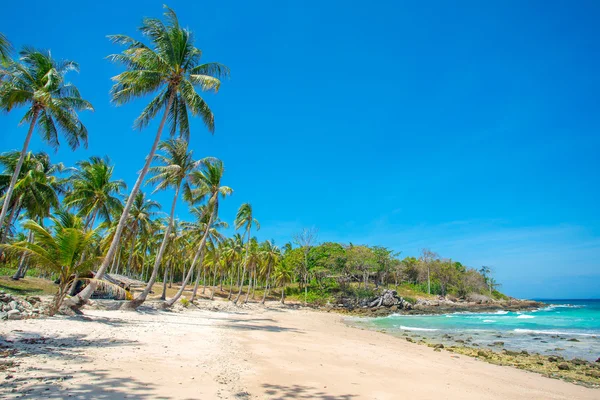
(217, 350)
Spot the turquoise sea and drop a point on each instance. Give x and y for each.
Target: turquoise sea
(570, 328)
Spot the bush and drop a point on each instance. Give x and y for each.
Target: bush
(184, 302)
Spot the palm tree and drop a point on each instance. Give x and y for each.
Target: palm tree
(271, 255)
(38, 81)
(140, 221)
(94, 192)
(283, 275)
(36, 188)
(59, 250)
(5, 48)
(197, 230)
(177, 164)
(208, 186)
(172, 67)
(245, 219)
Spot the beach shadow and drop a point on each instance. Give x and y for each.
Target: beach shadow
(251, 327)
(71, 347)
(282, 392)
(94, 384)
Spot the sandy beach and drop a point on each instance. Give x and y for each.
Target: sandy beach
(249, 352)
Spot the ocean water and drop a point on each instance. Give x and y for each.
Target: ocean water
(569, 328)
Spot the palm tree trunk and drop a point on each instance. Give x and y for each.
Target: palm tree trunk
(244, 269)
(142, 296)
(196, 285)
(204, 280)
(128, 268)
(22, 266)
(230, 287)
(199, 254)
(267, 283)
(283, 294)
(163, 296)
(11, 217)
(214, 288)
(80, 299)
(13, 180)
(171, 277)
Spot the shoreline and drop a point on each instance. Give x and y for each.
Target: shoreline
(217, 350)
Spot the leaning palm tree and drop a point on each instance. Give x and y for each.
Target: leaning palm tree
(94, 192)
(59, 250)
(245, 219)
(208, 186)
(176, 165)
(170, 66)
(38, 82)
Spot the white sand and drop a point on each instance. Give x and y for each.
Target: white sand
(251, 353)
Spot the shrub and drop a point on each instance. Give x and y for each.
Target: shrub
(184, 302)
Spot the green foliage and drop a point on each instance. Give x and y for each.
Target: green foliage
(184, 302)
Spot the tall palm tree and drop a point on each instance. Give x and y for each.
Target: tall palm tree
(94, 192)
(38, 81)
(208, 185)
(176, 164)
(245, 219)
(171, 66)
(59, 250)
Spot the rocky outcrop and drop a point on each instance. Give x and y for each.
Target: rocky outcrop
(14, 307)
(390, 298)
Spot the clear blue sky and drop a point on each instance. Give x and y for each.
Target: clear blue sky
(471, 128)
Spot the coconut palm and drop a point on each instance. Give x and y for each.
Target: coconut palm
(59, 250)
(245, 219)
(176, 164)
(271, 255)
(38, 82)
(5, 50)
(207, 183)
(36, 189)
(140, 221)
(197, 230)
(283, 275)
(170, 66)
(94, 192)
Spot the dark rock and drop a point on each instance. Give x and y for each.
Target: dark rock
(438, 346)
(482, 353)
(410, 340)
(572, 340)
(498, 344)
(552, 358)
(525, 352)
(578, 361)
(563, 366)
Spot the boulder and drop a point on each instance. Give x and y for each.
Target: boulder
(3, 315)
(563, 366)
(13, 305)
(14, 314)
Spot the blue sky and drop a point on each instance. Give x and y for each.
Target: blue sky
(470, 128)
